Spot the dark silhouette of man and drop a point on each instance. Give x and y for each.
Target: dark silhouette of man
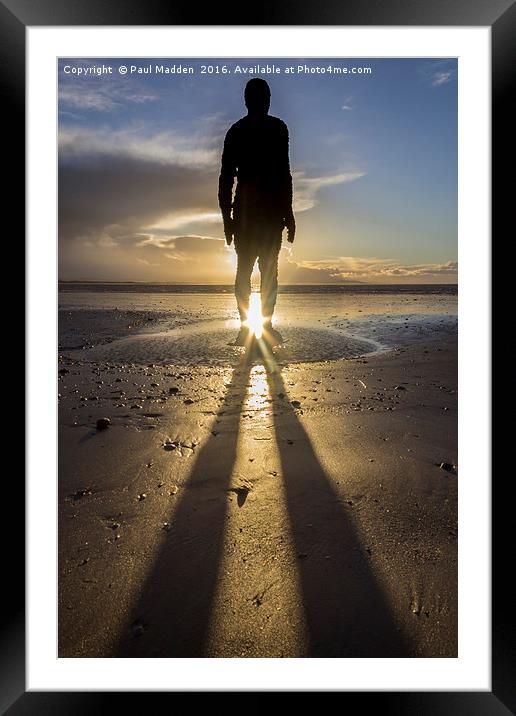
(256, 152)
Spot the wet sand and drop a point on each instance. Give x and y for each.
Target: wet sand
(231, 511)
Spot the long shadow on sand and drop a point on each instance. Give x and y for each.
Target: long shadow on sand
(345, 610)
(173, 610)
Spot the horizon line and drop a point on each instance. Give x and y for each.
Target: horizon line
(190, 283)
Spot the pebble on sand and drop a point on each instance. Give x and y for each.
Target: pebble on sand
(81, 493)
(447, 467)
(103, 423)
(138, 630)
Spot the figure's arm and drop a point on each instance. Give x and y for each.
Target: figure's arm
(226, 179)
(287, 188)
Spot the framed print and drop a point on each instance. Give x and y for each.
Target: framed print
(258, 272)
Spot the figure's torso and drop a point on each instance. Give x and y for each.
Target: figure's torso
(261, 152)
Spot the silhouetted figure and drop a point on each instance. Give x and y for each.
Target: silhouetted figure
(256, 152)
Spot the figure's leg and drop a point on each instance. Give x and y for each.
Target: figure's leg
(245, 264)
(268, 264)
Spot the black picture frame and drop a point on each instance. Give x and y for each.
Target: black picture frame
(500, 16)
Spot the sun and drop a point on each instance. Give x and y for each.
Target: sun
(254, 317)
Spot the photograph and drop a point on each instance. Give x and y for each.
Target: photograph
(257, 357)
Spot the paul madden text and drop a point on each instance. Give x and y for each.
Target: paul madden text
(327, 68)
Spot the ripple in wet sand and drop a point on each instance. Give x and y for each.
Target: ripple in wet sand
(302, 345)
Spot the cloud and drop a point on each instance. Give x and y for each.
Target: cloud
(120, 196)
(450, 268)
(177, 259)
(306, 188)
(120, 218)
(114, 183)
(141, 205)
(441, 78)
(438, 72)
(182, 219)
(99, 93)
(104, 97)
(353, 268)
(199, 256)
(207, 259)
(185, 248)
(194, 150)
(348, 104)
(293, 272)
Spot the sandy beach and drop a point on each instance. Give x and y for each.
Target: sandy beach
(229, 510)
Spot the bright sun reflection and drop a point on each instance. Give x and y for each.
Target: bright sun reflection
(254, 317)
(258, 393)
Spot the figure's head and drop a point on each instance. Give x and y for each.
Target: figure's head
(257, 96)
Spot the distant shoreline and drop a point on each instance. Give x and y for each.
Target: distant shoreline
(136, 287)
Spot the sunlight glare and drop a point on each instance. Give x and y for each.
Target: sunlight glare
(258, 392)
(254, 317)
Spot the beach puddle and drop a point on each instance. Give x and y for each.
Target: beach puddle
(210, 344)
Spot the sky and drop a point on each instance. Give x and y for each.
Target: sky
(373, 157)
